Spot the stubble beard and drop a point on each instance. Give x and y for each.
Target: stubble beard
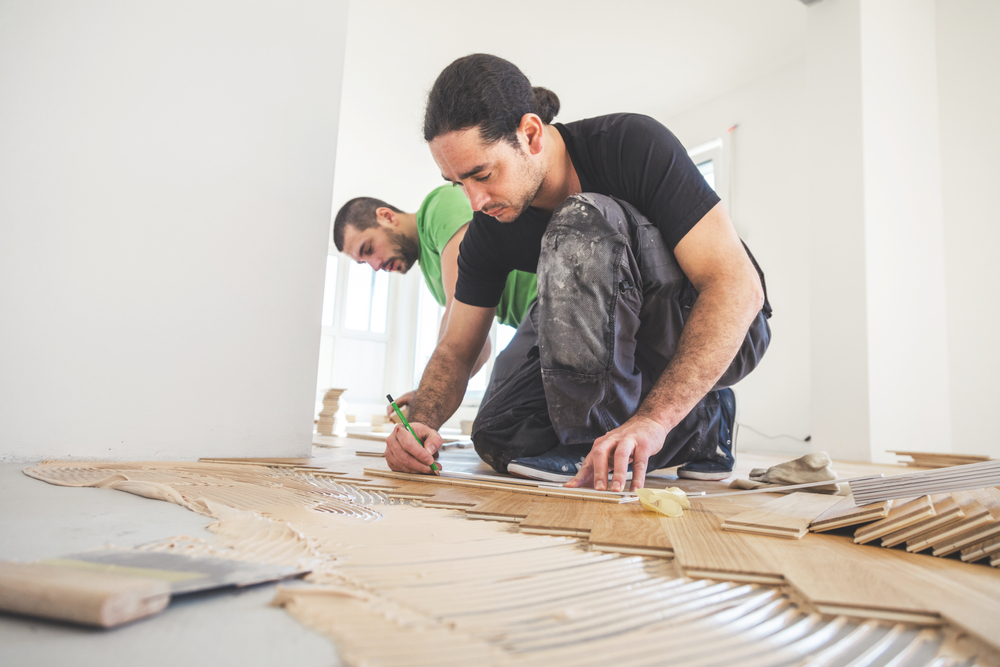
(534, 182)
(407, 250)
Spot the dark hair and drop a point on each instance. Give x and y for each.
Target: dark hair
(487, 92)
(358, 213)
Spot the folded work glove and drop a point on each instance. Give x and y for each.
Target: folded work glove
(810, 468)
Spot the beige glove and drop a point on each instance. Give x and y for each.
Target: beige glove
(813, 467)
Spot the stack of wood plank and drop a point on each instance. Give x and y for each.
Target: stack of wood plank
(935, 460)
(954, 478)
(938, 524)
(328, 416)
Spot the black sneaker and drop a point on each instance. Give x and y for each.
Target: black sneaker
(719, 466)
(556, 465)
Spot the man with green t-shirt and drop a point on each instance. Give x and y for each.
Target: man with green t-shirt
(371, 231)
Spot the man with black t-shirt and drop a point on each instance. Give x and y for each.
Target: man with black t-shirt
(649, 306)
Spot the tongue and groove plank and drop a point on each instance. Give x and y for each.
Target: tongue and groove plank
(788, 516)
(629, 529)
(946, 511)
(561, 517)
(847, 513)
(900, 516)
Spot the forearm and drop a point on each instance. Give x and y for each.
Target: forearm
(441, 389)
(713, 334)
(484, 356)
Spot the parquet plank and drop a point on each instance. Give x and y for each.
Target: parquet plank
(976, 515)
(990, 498)
(630, 529)
(838, 577)
(901, 515)
(946, 511)
(966, 595)
(703, 549)
(445, 496)
(561, 517)
(981, 550)
(788, 516)
(847, 513)
(505, 506)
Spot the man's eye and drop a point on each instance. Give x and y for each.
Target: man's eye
(483, 178)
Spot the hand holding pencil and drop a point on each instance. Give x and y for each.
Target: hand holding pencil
(406, 451)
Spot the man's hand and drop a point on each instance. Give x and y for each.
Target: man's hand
(404, 454)
(634, 441)
(405, 399)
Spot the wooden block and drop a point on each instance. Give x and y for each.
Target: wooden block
(509, 484)
(982, 549)
(837, 577)
(846, 513)
(629, 529)
(702, 549)
(976, 515)
(457, 498)
(788, 516)
(990, 498)
(946, 511)
(79, 596)
(557, 516)
(505, 506)
(900, 516)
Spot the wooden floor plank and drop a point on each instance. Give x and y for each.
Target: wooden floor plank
(838, 577)
(505, 506)
(630, 529)
(900, 516)
(703, 549)
(788, 516)
(557, 516)
(847, 513)
(976, 515)
(946, 511)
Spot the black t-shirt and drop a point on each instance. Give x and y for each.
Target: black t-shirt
(628, 156)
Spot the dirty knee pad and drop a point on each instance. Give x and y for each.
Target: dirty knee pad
(579, 280)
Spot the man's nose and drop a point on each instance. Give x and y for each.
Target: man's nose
(477, 196)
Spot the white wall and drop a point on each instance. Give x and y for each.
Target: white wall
(968, 55)
(770, 208)
(166, 171)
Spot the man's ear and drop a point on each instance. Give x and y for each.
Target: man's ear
(532, 129)
(386, 216)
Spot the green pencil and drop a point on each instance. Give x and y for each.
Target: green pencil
(409, 428)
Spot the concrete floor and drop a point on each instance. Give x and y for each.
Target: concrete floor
(228, 627)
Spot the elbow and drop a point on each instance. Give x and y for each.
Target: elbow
(754, 295)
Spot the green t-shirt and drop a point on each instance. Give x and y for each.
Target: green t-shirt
(443, 213)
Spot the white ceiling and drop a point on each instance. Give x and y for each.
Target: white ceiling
(658, 57)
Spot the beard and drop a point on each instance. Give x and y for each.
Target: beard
(529, 183)
(407, 250)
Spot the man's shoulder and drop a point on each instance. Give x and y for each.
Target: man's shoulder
(610, 123)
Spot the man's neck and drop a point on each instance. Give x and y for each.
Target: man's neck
(408, 226)
(561, 179)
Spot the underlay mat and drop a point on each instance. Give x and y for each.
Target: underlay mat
(397, 584)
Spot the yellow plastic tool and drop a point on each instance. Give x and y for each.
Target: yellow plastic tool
(671, 502)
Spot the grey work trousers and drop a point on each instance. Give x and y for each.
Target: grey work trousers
(612, 302)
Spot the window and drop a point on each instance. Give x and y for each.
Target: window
(429, 315)
(709, 157)
(367, 299)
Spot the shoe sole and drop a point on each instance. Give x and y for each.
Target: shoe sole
(705, 476)
(519, 470)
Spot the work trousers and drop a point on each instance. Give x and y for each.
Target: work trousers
(612, 303)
